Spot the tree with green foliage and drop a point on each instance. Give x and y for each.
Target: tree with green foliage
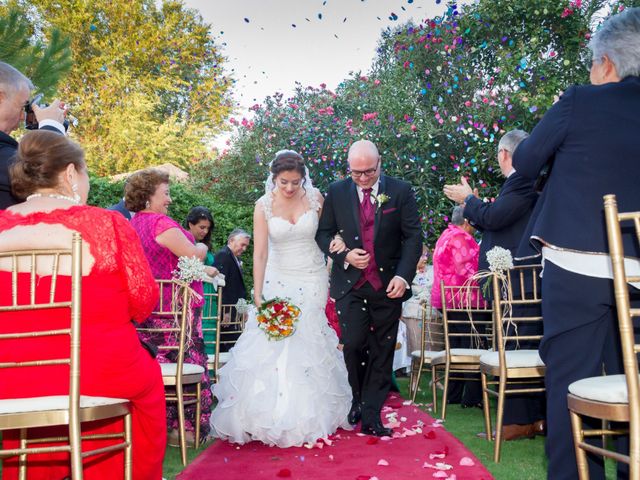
(147, 85)
(44, 61)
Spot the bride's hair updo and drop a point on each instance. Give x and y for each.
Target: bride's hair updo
(287, 161)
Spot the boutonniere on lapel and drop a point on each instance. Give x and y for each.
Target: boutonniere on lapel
(381, 199)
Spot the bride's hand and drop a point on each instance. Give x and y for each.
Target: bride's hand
(337, 245)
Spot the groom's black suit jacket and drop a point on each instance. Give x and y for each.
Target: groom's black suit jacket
(397, 237)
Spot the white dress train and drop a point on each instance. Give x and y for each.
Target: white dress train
(292, 391)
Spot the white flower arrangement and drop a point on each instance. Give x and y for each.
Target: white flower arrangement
(499, 259)
(190, 269)
(242, 306)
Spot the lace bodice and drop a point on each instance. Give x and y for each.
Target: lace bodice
(114, 245)
(292, 247)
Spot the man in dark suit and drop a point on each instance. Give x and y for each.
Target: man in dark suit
(502, 224)
(378, 220)
(591, 134)
(228, 262)
(15, 89)
(121, 208)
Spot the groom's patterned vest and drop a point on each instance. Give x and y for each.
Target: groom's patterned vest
(367, 223)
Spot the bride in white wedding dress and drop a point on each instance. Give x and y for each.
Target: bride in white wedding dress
(292, 391)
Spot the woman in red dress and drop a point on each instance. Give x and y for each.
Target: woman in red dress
(117, 286)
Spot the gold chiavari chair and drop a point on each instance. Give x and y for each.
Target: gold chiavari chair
(69, 410)
(230, 327)
(513, 368)
(431, 343)
(210, 324)
(179, 374)
(472, 325)
(613, 398)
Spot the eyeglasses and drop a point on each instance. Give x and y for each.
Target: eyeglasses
(367, 173)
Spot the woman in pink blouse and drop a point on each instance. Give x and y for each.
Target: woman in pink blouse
(455, 259)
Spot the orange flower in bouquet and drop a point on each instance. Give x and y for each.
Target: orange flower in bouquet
(277, 318)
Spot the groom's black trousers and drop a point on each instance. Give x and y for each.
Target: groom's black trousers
(369, 327)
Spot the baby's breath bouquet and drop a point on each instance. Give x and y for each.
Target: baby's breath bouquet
(499, 259)
(190, 269)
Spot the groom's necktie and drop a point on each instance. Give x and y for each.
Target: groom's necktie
(366, 205)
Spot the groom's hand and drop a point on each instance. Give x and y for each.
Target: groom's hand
(396, 288)
(358, 258)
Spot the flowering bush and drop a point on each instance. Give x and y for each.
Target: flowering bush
(438, 97)
(277, 318)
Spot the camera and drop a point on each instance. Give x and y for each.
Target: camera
(30, 120)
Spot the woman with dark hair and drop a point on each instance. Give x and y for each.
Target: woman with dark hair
(50, 175)
(294, 390)
(164, 241)
(200, 223)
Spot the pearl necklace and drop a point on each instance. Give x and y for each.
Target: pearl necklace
(54, 195)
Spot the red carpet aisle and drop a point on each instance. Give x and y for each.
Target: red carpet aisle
(421, 448)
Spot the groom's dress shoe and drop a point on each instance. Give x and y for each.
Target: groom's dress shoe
(355, 414)
(377, 429)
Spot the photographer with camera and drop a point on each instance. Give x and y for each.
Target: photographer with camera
(15, 106)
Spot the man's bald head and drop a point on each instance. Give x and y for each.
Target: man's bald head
(364, 163)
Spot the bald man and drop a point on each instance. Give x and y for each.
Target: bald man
(377, 217)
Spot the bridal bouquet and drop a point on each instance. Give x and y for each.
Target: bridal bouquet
(277, 318)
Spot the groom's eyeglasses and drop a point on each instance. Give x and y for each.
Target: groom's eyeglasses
(367, 173)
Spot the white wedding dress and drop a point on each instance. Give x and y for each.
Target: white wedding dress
(292, 391)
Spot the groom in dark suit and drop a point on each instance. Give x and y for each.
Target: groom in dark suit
(377, 217)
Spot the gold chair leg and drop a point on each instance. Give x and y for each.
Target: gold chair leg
(416, 384)
(196, 440)
(22, 459)
(75, 442)
(485, 407)
(434, 390)
(499, 417)
(182, 431)
(412, 379)
(634, 452)
(578, 437)
(446, 389)
(128, 462)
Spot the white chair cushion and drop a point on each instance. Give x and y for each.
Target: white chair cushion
(514, 358)
(466, 352)
(210, 357)
(55, 402)
(607, 389)
(170, 369)
(428, 354)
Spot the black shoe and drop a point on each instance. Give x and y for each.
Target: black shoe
(377, 429)
(355, 414)
(471, 405)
